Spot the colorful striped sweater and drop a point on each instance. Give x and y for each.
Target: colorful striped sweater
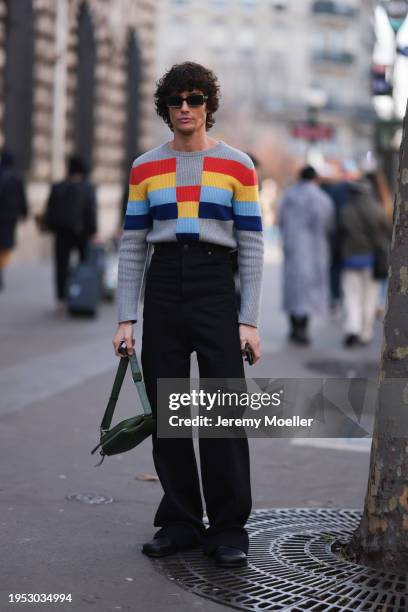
(209, 195)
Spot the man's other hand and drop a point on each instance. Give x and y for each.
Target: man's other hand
(248, 333)
(124, 333)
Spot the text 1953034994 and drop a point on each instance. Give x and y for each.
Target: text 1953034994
(18, 598)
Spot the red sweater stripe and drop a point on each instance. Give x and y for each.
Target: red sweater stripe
(244, 175)
(153, 168)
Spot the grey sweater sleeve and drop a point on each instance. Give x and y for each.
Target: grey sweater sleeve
(249, 237)
(133, 250)
(132, 260)
(250, 263)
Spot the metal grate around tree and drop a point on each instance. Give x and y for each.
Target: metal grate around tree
(294, 565)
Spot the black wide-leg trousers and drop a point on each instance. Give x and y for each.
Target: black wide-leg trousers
(189, 306)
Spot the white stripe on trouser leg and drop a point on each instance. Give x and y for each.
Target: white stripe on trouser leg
(352, 292)
(371, 290)
(361, 293)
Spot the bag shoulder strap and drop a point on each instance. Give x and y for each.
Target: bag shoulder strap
(117, 385)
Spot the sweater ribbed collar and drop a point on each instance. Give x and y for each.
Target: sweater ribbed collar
(168, 149)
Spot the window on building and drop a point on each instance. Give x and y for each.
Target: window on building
(248, 4)
(247, 38)
(331, 46)
(219, 4)
(334, 7)
(18, 81)
(179, 32)
(279, 5)
(217, 37)
(245, 82)
(85, 92)
(335, 56)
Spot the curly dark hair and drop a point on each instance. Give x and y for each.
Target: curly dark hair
(186, 77)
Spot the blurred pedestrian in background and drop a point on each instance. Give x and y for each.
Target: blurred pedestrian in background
(364, 234)
(306, 220)
(13, 206)
(382, 192)
(71, 214)
(339, 193)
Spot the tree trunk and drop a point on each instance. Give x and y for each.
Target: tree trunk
(381, 539)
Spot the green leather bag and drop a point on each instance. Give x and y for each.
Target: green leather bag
(128, 433)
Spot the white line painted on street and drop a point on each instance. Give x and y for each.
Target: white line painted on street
(41, 378)
(360, 445)
(272, 255)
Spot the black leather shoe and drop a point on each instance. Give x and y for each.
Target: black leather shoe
(226, 556)
(159, 547)
(351, 340)
(299, 337)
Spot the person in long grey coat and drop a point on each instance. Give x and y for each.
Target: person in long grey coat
(306, 220)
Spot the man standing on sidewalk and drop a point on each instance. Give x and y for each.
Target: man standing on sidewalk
(196, 200)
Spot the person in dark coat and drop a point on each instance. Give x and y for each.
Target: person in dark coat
(71, 214)
(363, 230)
(13, 206)
(339, 193)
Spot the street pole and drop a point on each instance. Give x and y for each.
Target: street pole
(60, 91)
(397, 11)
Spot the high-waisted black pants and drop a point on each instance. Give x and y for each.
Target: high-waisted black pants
(189, 306)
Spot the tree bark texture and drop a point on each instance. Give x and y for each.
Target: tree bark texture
(381, 539)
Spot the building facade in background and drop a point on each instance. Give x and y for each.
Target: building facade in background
(281, 64)
(79, 76)
(76, 76)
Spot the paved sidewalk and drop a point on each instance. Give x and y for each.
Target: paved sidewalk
(55, 376)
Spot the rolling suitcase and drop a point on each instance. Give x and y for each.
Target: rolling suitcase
(96, 256)
(84, 286)
(110, 276)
